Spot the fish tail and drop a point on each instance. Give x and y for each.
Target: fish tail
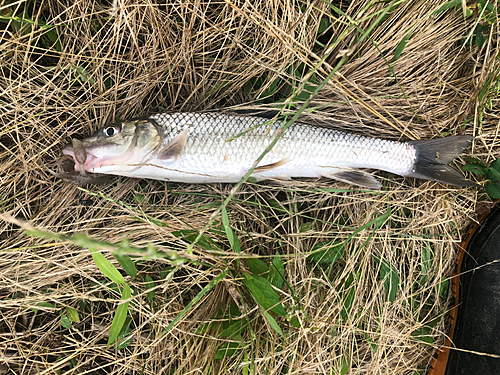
(433, 156)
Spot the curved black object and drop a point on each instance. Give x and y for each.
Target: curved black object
(478, 323)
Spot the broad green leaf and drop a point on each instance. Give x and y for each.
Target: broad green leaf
(496, 165)
(273, 323)
(493, 175)
(234, 329)
(444, 287)
(493, 189)
(423, 334)
(425, 261)
(347, 290)
(446, 6)
(65, 322)
(277, 270)
(324, 24)
(191, 235)
(121, 341)
(227, 350)
(257, 266)
(43, 304)
(127, 264)
(402, 44)
(233, 239)
(494, 172)
(106, 267)
(167, 271)
(345, 368)
(150, 291)
(307, 226)
(478, 169)
(199, 296)
(72, 315)
(120, 315)
(261, 290)
(329, 253)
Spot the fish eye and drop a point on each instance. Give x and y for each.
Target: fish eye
(111, 131)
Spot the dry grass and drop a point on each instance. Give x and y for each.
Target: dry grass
(127, 58)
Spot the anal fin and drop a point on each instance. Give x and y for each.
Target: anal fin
(354, 177)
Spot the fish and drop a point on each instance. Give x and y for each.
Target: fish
(222, 148)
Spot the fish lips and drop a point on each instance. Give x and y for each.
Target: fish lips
(81, 156)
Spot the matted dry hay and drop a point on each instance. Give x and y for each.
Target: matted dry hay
(77, 65)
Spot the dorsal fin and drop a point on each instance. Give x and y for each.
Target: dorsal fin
(174, 148)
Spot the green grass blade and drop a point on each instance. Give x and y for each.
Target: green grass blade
(127, 264)
(120, 315)
(106, 267)
(233, 239)
(402, 44)
(389, 275)
(274, 325)
(446, 6)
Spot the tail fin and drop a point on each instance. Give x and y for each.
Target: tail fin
(433, 157)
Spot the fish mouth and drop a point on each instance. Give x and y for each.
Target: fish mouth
(90, 161)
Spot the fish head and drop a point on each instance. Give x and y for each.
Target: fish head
(116, 147)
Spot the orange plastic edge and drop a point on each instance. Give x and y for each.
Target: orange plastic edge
(440, 361)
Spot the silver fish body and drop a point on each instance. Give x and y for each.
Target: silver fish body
(209, 148)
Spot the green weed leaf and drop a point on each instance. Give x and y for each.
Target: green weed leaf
(233, 239)
(493, 189)
(423, 334)
(261, 290)
(72, 315)
(257, 266)
(494, 172)
(120, 315)
(390, 277)
(402, 44)
(65, 322)
(150, 292)
(277, 270)
(273, 323)
(446, 6)
(127, 264)
(227, 350)
(106, 267)
(444, 287)
(331, 251)
(191, 235)
(479, 169)
(43, 304)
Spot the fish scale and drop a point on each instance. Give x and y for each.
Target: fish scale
(215, 147)
(304, 146)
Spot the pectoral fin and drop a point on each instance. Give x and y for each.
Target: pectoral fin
(174, 148)
(355, 177)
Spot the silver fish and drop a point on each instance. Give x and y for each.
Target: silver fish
(209, 148)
